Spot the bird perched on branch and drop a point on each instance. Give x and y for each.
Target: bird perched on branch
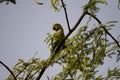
(58, 36)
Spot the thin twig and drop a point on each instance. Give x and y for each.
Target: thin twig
(8, 70)
(41, 73)
(66, 15)
(104, 28)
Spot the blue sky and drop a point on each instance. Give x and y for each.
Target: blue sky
(23, 28)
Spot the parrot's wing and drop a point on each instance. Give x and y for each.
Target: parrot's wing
(57, 38)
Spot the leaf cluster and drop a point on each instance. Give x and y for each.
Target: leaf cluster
(7, 1)
(27, 70)
(84, 52)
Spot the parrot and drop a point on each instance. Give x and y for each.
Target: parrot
(56, 39)
(58, 36)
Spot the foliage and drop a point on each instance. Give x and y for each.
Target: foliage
(7, 1)
(84, 52)
(27, 70)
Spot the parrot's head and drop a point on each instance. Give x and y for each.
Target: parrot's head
(57, 27)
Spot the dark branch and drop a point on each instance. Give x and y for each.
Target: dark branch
(66, 15)
(104, 28)
(41, 73)
(69, 33)
(8, 70)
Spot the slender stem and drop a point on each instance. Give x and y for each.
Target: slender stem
(66, 16)
(8, 70)
(41, 73)
(104, 28)
(74, 27)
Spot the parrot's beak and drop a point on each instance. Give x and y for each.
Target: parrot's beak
(54, 28)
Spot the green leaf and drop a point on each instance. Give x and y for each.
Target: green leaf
(55, 4)
(37, 2)
(102, 1)
(111, 22)
(48, 39)
(118, 56)
(118, 4)
(7, 1)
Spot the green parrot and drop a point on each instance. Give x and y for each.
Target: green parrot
(58, 36)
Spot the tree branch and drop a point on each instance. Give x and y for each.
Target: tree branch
(66, 16)
(69, 33)
(104, 28)
(41, 73)
(8, 70)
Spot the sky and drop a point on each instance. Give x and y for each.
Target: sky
(24, 26)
